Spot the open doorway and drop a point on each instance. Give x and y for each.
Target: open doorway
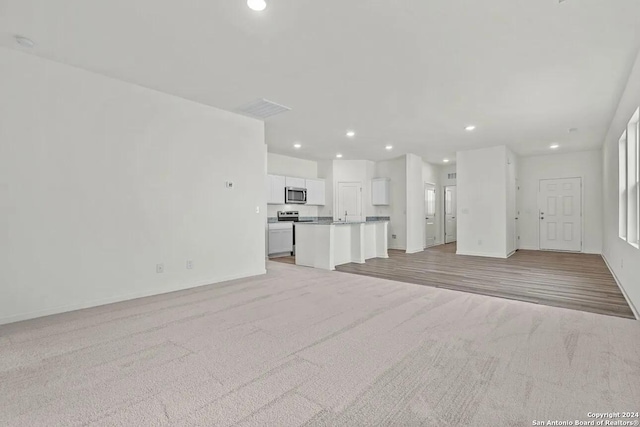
(430, 215)
(450, 223)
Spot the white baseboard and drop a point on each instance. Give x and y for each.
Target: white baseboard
(483, 254)
(624, 293)
(529, 248)
(399, 247)
(122, 297)
(414, 251)
(535, 248)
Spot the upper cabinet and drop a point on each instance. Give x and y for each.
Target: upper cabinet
(315, 192)
(380, 191)
(295, 182)
(275, 189)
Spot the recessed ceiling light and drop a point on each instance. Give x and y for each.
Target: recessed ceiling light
(297, 145)
(257, 5)
(351, 133)
(389, 147)
(24, 42)
(470, 128)
(554, 146)
(339, 155)
(446, 160)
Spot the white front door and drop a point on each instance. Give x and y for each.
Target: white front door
(349, 201)
(450, 223)
(430, 215)
(560, 209)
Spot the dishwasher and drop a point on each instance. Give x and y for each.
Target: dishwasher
(281, 238)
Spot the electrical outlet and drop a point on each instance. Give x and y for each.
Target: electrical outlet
(257, 209)
(393, 236)
(189, 265)
(479, 242)
(159, 268)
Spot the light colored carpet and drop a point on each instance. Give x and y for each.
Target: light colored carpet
(307, 347)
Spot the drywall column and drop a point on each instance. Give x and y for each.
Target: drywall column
(482, 202)
(512, 209)
(415, 204)
(396, 171)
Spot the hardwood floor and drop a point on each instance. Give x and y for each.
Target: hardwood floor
(568, 280)
(284, 259)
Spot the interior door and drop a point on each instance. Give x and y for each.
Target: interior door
(560, 209)
(450, 222)
(349, 201)
(430, 215)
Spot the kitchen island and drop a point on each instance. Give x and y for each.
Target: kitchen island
(327, 244)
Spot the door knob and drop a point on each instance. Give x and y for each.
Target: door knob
(541, 217)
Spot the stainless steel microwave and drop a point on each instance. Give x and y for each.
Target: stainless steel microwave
(293, 195)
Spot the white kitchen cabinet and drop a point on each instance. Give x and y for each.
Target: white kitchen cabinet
(380, 191)
(295, 182)
(280, 238)
(315, 192)
(275, 189)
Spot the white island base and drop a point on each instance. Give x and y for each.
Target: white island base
(325, 245)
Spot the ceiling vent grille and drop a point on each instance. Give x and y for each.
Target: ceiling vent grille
(262, 109)
(452, 175)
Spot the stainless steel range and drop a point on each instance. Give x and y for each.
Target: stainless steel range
(291, 216)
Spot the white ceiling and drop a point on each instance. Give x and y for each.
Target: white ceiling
(411, 73)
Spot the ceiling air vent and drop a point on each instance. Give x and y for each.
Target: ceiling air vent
(452, 175)
(262, 109)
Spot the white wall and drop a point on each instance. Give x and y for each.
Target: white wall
(444, 175)
(482, 202)
(101, 180)
(278, 164)
(415, 204)
(325, 171)
(395, 170)
(586, 165)
(623, 259)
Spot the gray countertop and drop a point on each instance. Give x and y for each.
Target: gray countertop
(340, 222)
